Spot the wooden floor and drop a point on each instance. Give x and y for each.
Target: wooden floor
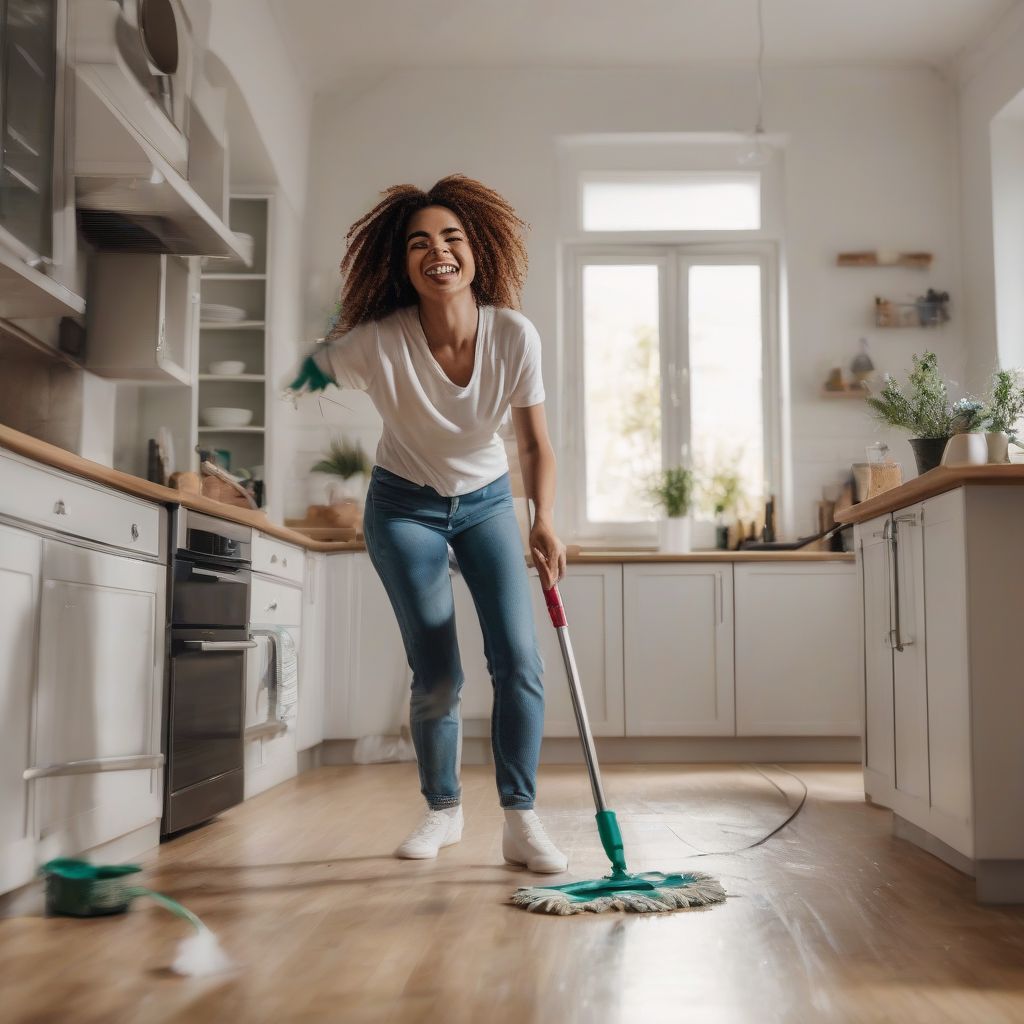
(830, 920)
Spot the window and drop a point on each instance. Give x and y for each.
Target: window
(658, 201)
(674, 366)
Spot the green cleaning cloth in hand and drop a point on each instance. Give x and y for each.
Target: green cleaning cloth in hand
(311, 377)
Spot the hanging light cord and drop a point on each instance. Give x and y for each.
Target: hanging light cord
(759, 127)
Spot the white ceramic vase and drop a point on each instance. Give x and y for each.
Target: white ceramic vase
(966, 450)
(674, 534)
(998, 448)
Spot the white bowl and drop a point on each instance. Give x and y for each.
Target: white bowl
(220, 416)
(228, 368)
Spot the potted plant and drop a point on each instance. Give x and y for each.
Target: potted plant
(723, 493)
(967, 446)
(345, 465)
(924, 410)
(1004, 408)
(673, 492)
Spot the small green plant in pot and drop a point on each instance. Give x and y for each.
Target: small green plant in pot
(1003, 410)
(343, 461)
(923, 409)
(673, 492)
(723, 492)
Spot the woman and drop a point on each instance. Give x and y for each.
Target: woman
(430, 328)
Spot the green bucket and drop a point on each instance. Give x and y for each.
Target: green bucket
(76, 888)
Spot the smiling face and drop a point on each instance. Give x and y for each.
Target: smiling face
(438, 259)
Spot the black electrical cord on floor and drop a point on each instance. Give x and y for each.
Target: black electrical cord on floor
(763, 839)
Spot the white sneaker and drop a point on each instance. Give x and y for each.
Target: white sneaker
(525, 842)
(437, 829)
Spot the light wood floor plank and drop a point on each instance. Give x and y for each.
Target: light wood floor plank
(830, 920)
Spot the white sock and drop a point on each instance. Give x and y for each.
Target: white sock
(450, 811)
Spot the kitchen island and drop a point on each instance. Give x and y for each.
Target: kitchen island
(941, 570)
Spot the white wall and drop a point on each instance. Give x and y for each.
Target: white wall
(991, 78)
(871, 164)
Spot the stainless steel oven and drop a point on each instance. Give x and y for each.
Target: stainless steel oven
(205, 697)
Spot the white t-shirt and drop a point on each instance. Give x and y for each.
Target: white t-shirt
(436, 432)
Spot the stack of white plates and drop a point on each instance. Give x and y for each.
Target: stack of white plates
(213, 312)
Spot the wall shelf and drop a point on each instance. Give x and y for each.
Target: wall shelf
(235, 325)
(849, 392)
(231, 430)
(225, 276)
(238, 377)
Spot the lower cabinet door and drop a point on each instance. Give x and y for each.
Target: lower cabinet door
(102, 651)
(309, 729)
(678, 649)
(268, 759)
(910, 673)
(876, 590)
(797, 658)
(20, 558)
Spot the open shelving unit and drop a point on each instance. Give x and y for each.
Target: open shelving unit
(242, 340)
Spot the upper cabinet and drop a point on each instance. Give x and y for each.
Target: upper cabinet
(134, 73)
(33, 244)
(143, 317)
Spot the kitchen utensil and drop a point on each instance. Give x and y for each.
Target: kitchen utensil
(223, 416)
(227, 368)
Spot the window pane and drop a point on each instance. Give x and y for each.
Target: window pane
(622, 400)
(685, 202)
(725, 372)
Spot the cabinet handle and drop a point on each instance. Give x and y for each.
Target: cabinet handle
(60, 509)
(720, 598)
(135, 531)
(218, 645)
(129, 763)
(272, 607)
(284, 562)
(273, 559)
(896, 633)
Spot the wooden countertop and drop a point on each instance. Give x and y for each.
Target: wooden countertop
(59, 458)
(935, 481)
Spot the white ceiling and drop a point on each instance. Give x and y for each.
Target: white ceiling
(333, 42)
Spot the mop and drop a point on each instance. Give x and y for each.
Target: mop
(649, 892)
(77, 888)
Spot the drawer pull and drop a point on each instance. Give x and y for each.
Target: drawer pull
(60, 509)
(135, 531)
(284, 562)
(272, 607)
(273, 559)
(129, 763)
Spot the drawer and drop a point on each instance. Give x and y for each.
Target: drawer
(274, 603)
(275, 558)
(45, 497)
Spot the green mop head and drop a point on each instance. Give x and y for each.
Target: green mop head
(650, 892)
(78, 888)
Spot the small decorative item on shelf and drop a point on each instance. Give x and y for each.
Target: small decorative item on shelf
(885, 258)
(862, 367)
(928, 310)
(925, 411)
(673, 491)
(837, 386)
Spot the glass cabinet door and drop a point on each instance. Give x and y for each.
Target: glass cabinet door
(28, 54)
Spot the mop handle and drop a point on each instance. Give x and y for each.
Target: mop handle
(557, 613)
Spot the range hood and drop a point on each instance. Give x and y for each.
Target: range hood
(131, 152)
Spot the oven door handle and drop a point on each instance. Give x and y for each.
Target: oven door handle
(223, 575)
(218, 645)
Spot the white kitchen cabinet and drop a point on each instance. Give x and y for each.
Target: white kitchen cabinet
(678, 649)
(276, 608)
(879, 750)
(102, 651)
(797, 653)
(592, 598)
(367, 675)
(20, 561)
(143, 317)
(310, 726)
(917, 707)
(949, 702)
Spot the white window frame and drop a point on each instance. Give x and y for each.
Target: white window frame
(673, 260)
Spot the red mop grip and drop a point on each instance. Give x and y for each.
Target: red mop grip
(555, 609)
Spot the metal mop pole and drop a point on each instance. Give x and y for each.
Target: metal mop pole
(607, 825)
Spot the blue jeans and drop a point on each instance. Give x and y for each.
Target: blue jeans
(408, 529)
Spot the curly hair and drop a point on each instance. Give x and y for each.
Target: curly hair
(377, 284)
